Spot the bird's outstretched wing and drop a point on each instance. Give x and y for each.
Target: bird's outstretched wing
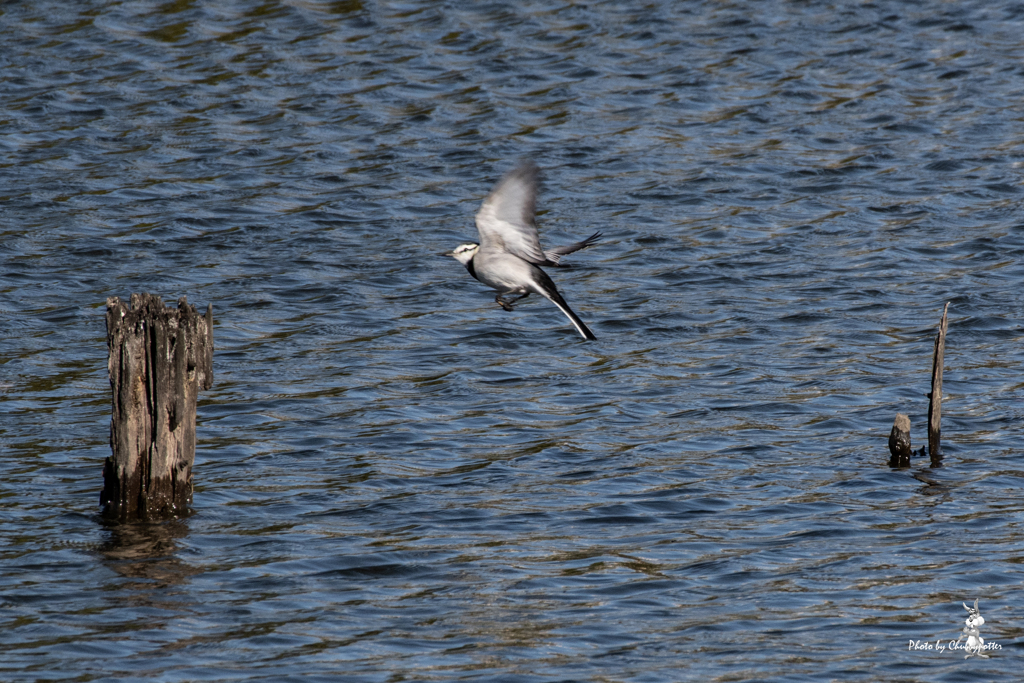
(506, 218)
(555, 254)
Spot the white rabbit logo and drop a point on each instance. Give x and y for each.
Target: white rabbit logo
(975, 643)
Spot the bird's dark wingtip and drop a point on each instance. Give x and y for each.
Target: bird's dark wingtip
(526, 168)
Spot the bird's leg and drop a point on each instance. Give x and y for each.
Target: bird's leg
(507, 303)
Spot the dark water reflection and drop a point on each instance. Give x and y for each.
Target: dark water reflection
(148, 551)
(395, 478)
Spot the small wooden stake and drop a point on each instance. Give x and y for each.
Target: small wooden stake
(899, 442)
(158, 358)
(935, 397)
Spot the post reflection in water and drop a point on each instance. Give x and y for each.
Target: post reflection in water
(147, 550)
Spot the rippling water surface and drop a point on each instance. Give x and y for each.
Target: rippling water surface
(397, 480)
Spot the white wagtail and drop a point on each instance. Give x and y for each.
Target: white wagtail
(509, 250)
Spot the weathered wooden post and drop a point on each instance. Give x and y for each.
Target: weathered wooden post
(899, 442)
(899, 437)
(935, 397)
(158, 359)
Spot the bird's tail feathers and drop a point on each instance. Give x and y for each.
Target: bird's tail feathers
(581, 326)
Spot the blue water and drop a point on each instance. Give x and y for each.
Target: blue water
(398, 480)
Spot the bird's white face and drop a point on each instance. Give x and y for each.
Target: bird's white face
(464, 252)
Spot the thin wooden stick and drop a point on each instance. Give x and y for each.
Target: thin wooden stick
(935, 397)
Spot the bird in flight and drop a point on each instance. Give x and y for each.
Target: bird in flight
(509, 254)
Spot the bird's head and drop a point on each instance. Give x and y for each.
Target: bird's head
(464, 253)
